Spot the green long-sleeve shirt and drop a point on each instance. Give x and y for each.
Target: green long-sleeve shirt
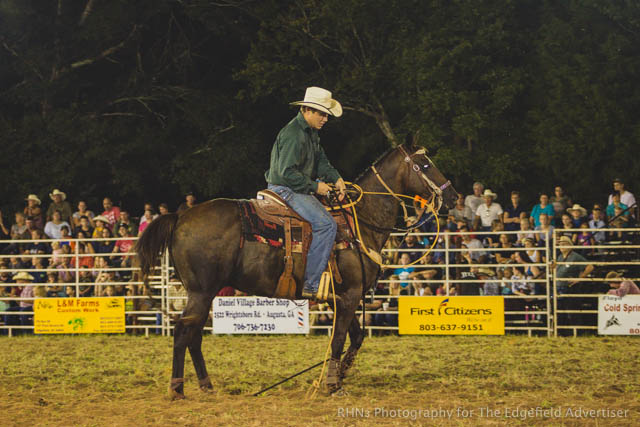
(297, 158)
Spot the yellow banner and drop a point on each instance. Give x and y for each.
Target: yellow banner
(79, 315)
(463, 315)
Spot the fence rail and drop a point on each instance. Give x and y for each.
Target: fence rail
(549, 310)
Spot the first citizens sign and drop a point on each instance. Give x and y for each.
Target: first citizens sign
(78, 315)
(451, 315)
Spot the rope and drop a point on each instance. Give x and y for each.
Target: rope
(315, 386)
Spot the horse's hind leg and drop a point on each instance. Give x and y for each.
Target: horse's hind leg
(188, 333)
(195, 349)
(356, 336)
(344, 314)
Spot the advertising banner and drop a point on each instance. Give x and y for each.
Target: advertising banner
(452, 315)
(619, 315)
(260, 315)
(78, 315)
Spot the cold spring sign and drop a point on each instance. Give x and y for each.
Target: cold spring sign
(457, 315)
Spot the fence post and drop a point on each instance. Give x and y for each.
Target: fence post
(555, 288)
(446, 260)
(76, 251)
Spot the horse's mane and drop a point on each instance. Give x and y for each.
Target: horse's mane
(375, 162)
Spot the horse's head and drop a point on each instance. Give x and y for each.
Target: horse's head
(424, 178)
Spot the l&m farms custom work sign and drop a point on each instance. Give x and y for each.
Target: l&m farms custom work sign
(259, 315)
(455, 315)
(619, 315)
(79, 315)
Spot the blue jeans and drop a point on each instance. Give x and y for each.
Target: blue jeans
(323, 229)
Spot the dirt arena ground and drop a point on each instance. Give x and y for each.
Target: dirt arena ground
(467, 381)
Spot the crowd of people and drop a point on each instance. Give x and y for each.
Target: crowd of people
(498, 250)
(43, 250)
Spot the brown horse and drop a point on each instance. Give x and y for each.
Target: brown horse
(204, 243)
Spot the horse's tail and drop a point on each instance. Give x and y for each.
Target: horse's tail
(153, 241)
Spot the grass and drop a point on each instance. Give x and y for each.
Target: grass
(121, 380)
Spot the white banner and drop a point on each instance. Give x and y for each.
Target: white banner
(619, 315)
(260, 315)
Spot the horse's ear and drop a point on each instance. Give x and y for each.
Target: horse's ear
(412, 139)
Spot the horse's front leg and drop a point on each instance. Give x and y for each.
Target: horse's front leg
(344, 313)
(356, 336)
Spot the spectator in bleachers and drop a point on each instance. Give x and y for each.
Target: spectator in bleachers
(615, 202)
(104, 246)
(82, 211)
(66, 266)
(547, 229)
(143, 218)
(125, 219)
(65, 235)
(470, 242)
(25, 290)
(38, 266)
(189, 202)
(85, 259)
(111, 213)
(620, 220)
(34, 210)
(541, 208)
(411, 242)
(148, 217)
(513, 212)
(85, 277)
(163, 209)
(567, 224)
(18, 231)
(36, 247)
(59, 203)
(578, 215)
(70, 291)
(492, 240)
(490, 286)
(569, 271)
(560, 203)
(461, 212)
(524, 232)
(585, 238)
(123, 246)
(53, 289)
(84, 227)
(487, 212)
(428, 273)
(621, 287)
(504, 256)
(530, 248)
(473, 201)
(53, 228)
(597, 221)
(626, 197)
(101, 222)
(403, 273)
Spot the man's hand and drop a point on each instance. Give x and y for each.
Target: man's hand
(342, 188)
(323, 189)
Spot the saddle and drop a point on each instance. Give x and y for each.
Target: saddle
(269, 219)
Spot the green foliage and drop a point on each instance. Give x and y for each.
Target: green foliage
(145, 100)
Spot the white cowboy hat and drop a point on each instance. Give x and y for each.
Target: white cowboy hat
(320, 99)
(565, 241)
(56, 192)
(488, 192)
(577, 207)
(33, 197)
(102, 218)
(23, 275)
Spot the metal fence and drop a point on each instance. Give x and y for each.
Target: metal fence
(453, 270)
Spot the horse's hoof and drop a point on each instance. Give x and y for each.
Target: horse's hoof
(207, 388)
(337, 391)
(174, 395)
(205, 384)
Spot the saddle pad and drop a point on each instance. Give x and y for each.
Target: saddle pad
(255, 229)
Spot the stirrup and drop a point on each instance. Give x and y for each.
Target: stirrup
(323, 293)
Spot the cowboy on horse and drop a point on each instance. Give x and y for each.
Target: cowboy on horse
(298, 169)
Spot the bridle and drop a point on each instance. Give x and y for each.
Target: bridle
(437, 190)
